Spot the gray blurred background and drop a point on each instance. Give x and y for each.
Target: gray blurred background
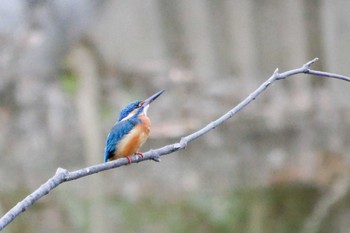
(280, 165)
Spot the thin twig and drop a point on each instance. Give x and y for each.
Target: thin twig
(62, 175)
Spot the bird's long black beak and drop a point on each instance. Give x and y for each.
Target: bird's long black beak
(152, 98)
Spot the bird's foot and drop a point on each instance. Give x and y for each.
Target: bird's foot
(129, 159)
(139, 154)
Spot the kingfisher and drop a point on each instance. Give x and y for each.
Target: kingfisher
(131, 130)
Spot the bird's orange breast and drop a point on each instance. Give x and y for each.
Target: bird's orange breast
(134, 139)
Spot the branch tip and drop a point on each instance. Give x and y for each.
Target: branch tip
(61, 171)
(310, 63)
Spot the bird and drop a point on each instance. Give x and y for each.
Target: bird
(130, 131)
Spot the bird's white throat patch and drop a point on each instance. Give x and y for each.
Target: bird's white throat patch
(144, 112)
(145, 109)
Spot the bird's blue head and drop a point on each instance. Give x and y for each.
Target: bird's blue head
(138, 107)
(128, 109)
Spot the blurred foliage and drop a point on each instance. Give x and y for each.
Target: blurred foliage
(275, 209)
(288, 206)
(278, 208)
(77, 212)
(69, 81)
(342, 208)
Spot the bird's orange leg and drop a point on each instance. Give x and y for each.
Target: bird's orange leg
(139, 154)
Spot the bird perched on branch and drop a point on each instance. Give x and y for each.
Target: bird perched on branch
(130, 131)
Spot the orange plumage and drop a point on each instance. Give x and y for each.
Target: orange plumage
(131, 130)
(133, 141)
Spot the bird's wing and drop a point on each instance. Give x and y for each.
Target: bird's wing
(119, 130)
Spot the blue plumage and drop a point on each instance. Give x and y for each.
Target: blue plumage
(131, 116)
(128, 109)
(120, 129)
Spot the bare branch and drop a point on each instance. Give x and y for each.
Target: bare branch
(328, 75)
(62, 175)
